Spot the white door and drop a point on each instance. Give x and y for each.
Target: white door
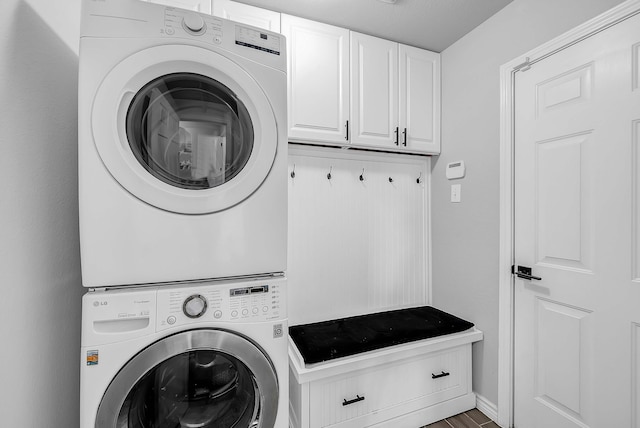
(374, 92)
(246, 14)
(577, 225)
(318, 80)
(419, 100)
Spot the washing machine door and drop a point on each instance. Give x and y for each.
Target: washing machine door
(184, 129)
(200, 378)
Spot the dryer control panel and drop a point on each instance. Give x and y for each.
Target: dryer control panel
(243, 301)
(211, 29)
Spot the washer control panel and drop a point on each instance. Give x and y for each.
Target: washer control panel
(241, 301)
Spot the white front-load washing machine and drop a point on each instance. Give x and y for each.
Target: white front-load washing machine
(199, 355)
(182, 146)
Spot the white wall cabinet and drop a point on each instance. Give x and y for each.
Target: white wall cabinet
(318, 80)
(395, 96)
(419, 100)
(351, 89)
(374, 92)
(246, 14)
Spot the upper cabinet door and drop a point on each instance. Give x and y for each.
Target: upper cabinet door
(419, 100)
(374, 92)
(245, 14)
(203, 6)
(318, 80)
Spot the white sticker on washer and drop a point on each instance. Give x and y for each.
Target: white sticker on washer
(277, 331)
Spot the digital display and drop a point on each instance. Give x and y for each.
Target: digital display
(249, 290)
(251, 38)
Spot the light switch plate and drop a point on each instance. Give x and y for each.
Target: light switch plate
(456, 190)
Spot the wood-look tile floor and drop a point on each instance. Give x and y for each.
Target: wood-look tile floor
(473, 418)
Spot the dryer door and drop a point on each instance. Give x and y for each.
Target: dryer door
(200, 378)
(184, 129)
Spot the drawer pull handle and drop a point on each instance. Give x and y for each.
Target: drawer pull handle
(436, 376)
(355, 400)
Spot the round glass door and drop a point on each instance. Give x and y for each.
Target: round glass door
(202, 378)
(190, 131)
(184, 129)
(201, 388)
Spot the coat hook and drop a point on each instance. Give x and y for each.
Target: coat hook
(329, 174)
(390, 180)
(419, 179)
(293, 173)
(362, 175)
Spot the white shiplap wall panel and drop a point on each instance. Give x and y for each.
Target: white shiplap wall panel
(356, 247)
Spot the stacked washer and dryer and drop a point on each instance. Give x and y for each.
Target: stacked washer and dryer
(183, 219)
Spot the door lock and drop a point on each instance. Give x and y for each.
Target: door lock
(524, 272)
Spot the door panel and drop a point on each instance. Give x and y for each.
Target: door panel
(374, 91)
(419, 114)
(577, 220)
(562, 192)
(559, 331)
(318, 80)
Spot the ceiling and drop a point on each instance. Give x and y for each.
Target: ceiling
(427, 24)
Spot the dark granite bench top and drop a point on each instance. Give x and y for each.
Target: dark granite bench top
(324, 341)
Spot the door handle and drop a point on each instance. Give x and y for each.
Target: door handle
(404, 137)
(524, 272)
(346, 402)
(397, 132)
(346, 131)
(438, 376)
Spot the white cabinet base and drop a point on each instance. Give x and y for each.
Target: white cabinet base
(407, 385)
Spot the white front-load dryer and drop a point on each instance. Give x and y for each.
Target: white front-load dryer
(201, 355)
(182, 146)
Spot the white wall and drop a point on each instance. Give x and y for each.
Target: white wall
(465, 235)
(39, 255)
(369, 235)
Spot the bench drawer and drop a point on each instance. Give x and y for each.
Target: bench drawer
(369, 396)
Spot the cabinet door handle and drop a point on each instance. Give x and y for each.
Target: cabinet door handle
(397, 132)
(436, 376)
(346, 131)
(355, 400)
(404, 137)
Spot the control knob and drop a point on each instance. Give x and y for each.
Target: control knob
(194, 306)
(193, 23)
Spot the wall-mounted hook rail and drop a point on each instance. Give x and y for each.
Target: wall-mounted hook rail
(293, 172)
(329, 174)
(362, 175)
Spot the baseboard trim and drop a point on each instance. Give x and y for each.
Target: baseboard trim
(487, 407)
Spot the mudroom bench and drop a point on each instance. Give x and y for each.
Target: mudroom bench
(403, 368)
